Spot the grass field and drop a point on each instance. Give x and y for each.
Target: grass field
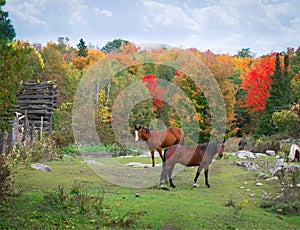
(73, 196)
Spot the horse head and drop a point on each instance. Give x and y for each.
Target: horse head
(137, 129)
(141, 132)
(220, 147)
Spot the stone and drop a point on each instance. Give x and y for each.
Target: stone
(249, 165)
(262, 176)
(42, 167)
(270, 152)
(243, 154)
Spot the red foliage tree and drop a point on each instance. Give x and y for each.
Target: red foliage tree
(156, 92)
(256, 81)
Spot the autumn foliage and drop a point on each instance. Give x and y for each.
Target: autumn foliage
(256, 81)
(156, 91)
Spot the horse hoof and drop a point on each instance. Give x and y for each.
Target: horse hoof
(196, 185)
(164, 187)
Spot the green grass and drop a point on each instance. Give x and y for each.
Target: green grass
(182, 208)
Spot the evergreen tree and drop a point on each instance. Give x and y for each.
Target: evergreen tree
(279, 99)
(82, 49)
(7, 31)
(113, 46)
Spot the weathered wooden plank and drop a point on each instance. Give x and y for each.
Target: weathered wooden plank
(37, 118)
(38, 123)
(36, 96)
(36, 92)
(47, 102)
(39, 86)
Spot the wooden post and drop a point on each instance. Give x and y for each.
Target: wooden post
(15, 131)
(32, 134)
(41, 128)
(26, 128)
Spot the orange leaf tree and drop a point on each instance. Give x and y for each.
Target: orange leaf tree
(256, 81)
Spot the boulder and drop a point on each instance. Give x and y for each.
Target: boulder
(249, 165)
(42, 167)
(244, 154)
(270, 152)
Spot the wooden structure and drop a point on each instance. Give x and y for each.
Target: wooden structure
(36, 100)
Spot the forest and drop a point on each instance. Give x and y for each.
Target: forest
(104, 93)
(260, 95)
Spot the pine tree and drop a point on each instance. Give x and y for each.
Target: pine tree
(279, 99)
(82, 49)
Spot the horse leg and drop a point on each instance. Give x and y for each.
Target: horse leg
(160, 152)
(163, 176)
(206, 178)
(196, 177)
(170, 171)
(152, 156)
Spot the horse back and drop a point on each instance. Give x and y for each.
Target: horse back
(185, 155)
(178, 134)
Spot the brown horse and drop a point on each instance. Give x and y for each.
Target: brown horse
(159, 139)
(201, 156)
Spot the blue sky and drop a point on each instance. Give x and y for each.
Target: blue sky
(223, 26)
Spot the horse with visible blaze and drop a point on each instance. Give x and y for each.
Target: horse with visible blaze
(159, 139)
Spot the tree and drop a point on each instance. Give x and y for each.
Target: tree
(114, 46)
(279, 98)
(156, 91)
(288, 121)
(245, 52)
(7, 30)
(13, 70)
(82, 49)
(256, 81)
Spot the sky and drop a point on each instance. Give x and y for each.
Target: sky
(222, 26)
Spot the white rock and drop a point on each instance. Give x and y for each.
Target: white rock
(243, 154)
(41, 167)
(270, 152)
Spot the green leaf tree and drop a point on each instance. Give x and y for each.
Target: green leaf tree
(7, 30)
(113, 46)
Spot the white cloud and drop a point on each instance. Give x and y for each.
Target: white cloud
(168, 15)
(106, 13)
(219, 25)
(28, 12)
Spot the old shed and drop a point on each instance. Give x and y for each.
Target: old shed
(37, 100)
